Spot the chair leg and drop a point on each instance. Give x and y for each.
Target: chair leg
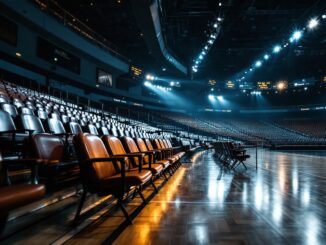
(80, 206)
(164, 175)
(124, 211)
(141, 195)
(152, 183)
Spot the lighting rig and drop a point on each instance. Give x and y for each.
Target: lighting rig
(215, 30)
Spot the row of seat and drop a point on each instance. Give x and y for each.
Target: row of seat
(230, 154)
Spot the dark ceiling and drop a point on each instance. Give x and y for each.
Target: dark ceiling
(249, 28)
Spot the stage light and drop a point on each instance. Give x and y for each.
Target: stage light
(172, 83)
(150, 77)
(313, 23)
(212, 89)
(280, 85)
(210, 41)
(305, 88)
(266, 56)
(323, 16)
(220, 4)
(255, 93)
(201, 57)
(206, 47)
(197, 62)
(258, 63)
(203, 53)
(277, 49)
(213, 36)
(18, 54)
(251, 69)
(219, 19)
(220, 97)
(211, 97)
(194, 69)
(147, 84)
(215, 25)
(296, 36)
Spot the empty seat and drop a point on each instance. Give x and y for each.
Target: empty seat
(55, 126)
(32, 124)
(11, 109)
(54, 163)
(105, 175)
(74, 128)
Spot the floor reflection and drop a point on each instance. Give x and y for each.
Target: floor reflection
(282, 202)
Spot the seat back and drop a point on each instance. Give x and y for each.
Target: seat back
(113, 145)
(6, 122)
(149, 145)
(55, 126)
(90, 146)
(26, 110)
(48, 147)
(92, 129)
(130, 145)
(31, 123)
(75, 128)
(11, 109)
(141, 144)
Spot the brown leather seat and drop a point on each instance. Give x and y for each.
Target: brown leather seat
(12, 197)
(143, 148)
(54, 164)
(104, 175)
(132, 147)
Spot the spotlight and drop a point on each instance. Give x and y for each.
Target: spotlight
(305, 88)
(281, 85)
(194, 69)
(206, 47)
(296, 35)
(323, 16)
(277, 49)
(251, 69)
(313, 23)
(213, 36)
(197, 62)
(150, 77)
(211, 97)
(212, 89)
(219, 19)
(258, 63)
(220, 97)
(147, 84)
(201, 57)
(266, 56)
(203, 53)
(172, 84)
(220, 4)
(210, 41)
(215, 25)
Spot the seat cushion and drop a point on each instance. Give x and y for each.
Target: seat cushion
(133, 178)
(12, 197)
(173, 159)
(164, 163)
(156, 168)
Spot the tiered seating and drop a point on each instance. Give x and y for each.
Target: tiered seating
(308, 126)
(62, 142)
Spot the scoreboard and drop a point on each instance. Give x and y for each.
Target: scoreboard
(230, 85)
(264, 85)
(136, 72)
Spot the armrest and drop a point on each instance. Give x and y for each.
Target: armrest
(106, 159)
(140, 157)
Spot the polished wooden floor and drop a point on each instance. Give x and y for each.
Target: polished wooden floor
(282, 202)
